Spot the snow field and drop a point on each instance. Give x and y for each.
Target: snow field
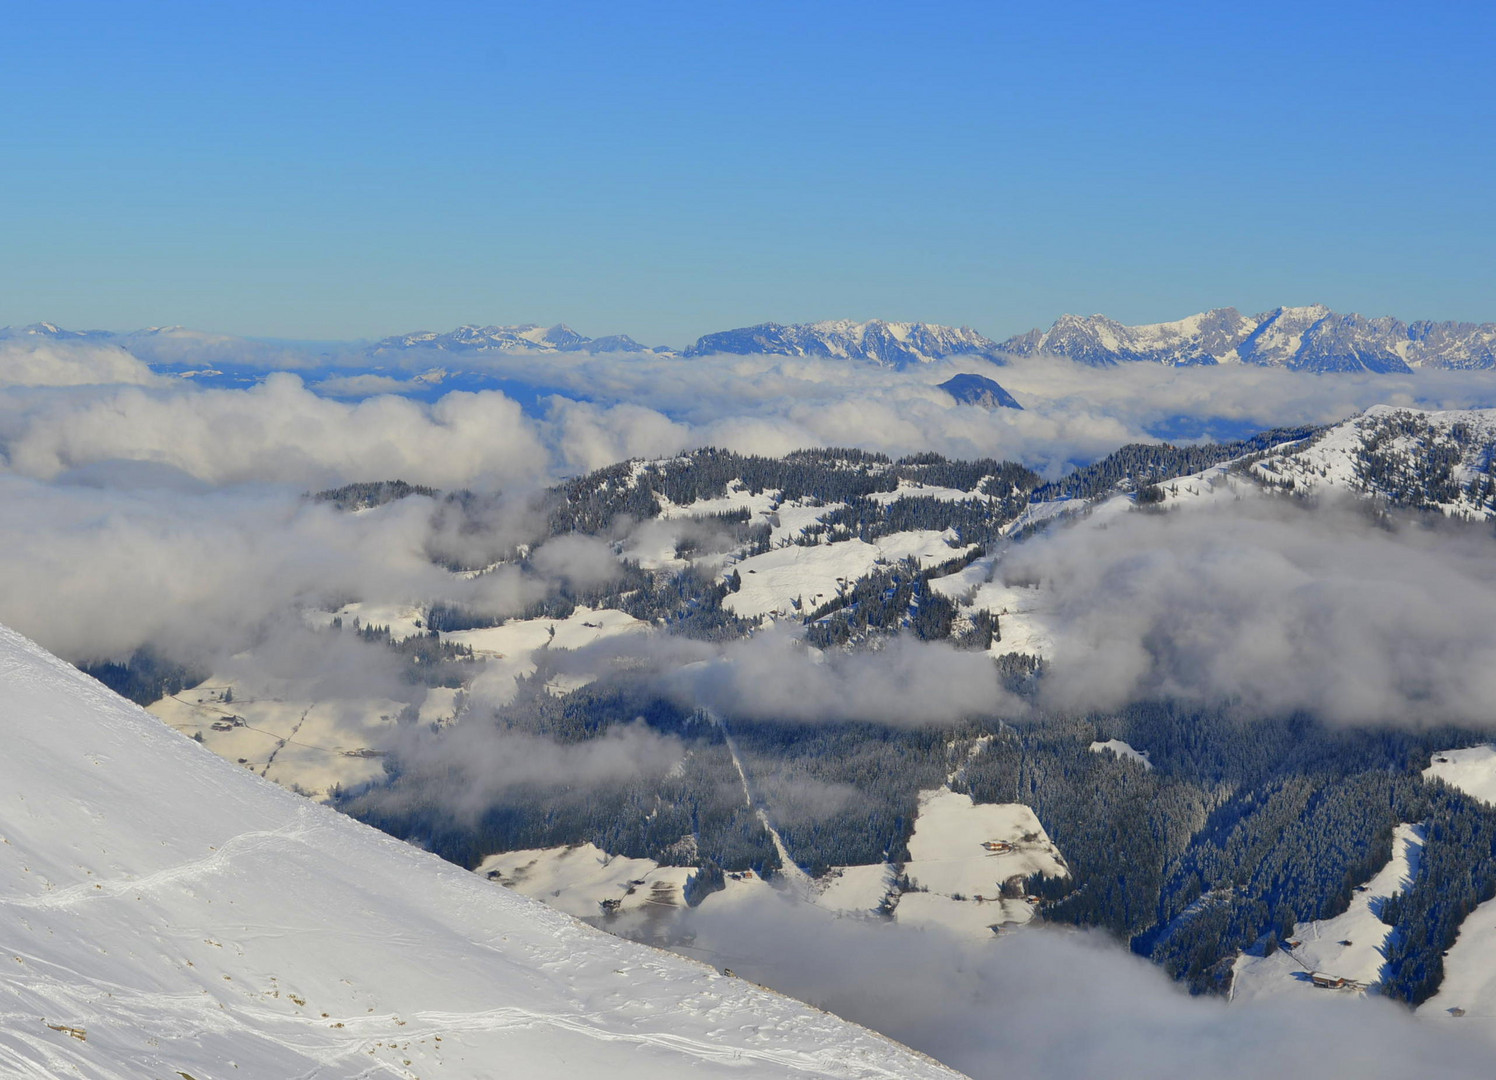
(508, 651)
(946, 853)
(1019, 608)
(1329, 463)
(1471, 770)
(1469, 975)
(309, 746)
(578, 879)
(771, 582)
(1470, 967)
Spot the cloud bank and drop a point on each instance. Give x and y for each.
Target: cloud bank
(1274, 605)
(1056, 1005)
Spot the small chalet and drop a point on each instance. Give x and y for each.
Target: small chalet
(1331, 982)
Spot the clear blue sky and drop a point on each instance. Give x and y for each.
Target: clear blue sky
(665, 169)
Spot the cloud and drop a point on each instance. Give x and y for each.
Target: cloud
(581, 561)
(279, 432)
(357, 386)
(1272, 604)
(466, 769)
(594, 410)
(97, 573)
(44, 361)
(1055, 1005)
(773, 676)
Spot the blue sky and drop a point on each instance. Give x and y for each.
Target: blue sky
(332, 170)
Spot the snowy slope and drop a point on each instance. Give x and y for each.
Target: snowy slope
(1410, 457)
(774, 581)
(1471, 770)
(1348, 946)
(166, 913)
(1122, 750)
(1468, 991)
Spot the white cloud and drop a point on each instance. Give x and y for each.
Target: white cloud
(1056, 1005)
(278, 432)
(44, 361)
(1274, 605)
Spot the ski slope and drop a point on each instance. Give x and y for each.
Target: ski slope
(164, 913)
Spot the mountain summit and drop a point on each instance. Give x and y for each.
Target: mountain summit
(888, 344)
(1312, 338)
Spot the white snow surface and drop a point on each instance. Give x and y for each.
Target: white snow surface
(309, 746)
(1022, 623)
(957, 880)
(773, 581)
(1472, 770)
(1470, 967)
(578, 878)
(167, 913)
(1347, 946)
(1469, 975)
(1329, 463)
(1122, 750)
(508, 651)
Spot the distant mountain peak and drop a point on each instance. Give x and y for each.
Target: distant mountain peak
(970, 389)
(878, 341)
(527, 337)
(1308, 338)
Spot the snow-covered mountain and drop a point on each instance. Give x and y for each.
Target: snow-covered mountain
(526, 338)
(1310, 338)
(167, 913)
(971, 389)
(1413, 458)
(46, 330)
(889, 344)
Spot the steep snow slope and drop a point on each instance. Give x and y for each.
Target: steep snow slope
(165, 913)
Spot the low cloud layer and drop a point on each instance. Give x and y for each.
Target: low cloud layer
(586, 411)
(44, 362)
(1272, 605)
(907, 683)
(277, 432)
(467, 769)
(1055, 1005)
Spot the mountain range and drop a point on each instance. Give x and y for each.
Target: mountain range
(889, 344)
(1313, 339)
(1310, 338)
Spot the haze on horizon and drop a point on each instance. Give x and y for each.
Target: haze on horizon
(665, 170)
